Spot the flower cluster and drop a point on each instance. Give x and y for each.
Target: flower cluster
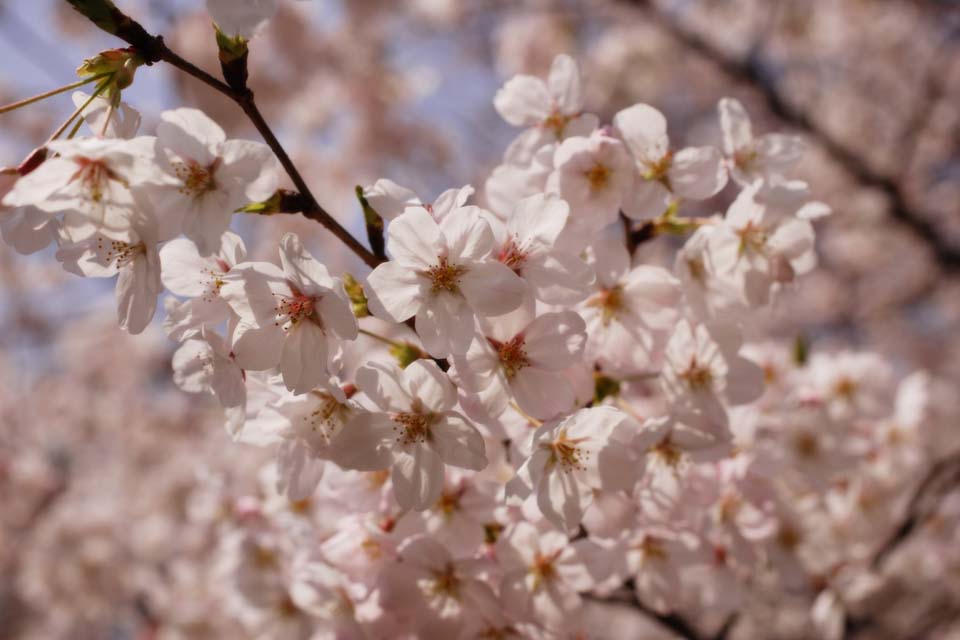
(515, 410)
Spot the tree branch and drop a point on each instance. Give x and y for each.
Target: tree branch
(751, 71)
(153, 49)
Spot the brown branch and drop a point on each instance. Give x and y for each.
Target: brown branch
(751, 71)
(153, 49)
(942, 476)
(672, 621)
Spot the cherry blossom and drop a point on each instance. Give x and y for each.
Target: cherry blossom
(553, 109)
(187, 273)
(132, 257)
(570, 459)
(662, 174)
(523, 361)
(751, 158)
(443, 274)
(703, 373)
(210, 176)
(287, 313)
(414, 433)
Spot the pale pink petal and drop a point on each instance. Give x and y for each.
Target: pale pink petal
(492, 288)
(697, 173)
(523, 101)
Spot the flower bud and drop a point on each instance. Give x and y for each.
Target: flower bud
(358, 299)
(406, 353)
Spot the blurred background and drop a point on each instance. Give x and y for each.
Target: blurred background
(100, 454)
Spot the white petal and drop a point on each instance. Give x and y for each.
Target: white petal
(558, 277)
(389, 199)
(417, 478)
(303, 359)
(523, 101)
(298, 472)
(644, 130)
(735, 123)
(538, 220)
(564, 84)
(458, 443)
(383, 384)
(413, 239)
(394, 292)
(257, 349)
(423, 379)
(646, 199)
(310, 277)
(138, 286)
(365, 443)
(697, 173)
(542, 394)
(190, 134)
(555, 341)
(492, 288)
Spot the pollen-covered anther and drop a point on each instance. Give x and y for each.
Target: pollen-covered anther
(512, 255)
(119, 252)
(512, 356)
(697, 376)
(610, 302)
(557, 122)
(295, 308)
(568, 454)
(752, 237)
(196, 180)
(445, 276)
(446, 582)
(657, 169)
(412, 428)
(598, 176)
(326, 417)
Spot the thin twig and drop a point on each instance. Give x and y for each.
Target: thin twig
(153, 49)
(752, 72)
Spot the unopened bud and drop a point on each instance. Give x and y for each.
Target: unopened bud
(118, 68)
(604, 387)
(406, 353)
(358, 299)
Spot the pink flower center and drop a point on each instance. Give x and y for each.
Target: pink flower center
(93, 176)
(196, 180)
(445, 276)
(412, 428)
(512, 255)
(512, 356)
(567, 453)
(598, 176)
(610, 302)
(697, 376)
(293, 309)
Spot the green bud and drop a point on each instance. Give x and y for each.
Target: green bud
(358, 299)
(406, 353)
(491, 532)
(268, 207)
(117, 67)
(230, 48)
(801, 350)
(604, 387)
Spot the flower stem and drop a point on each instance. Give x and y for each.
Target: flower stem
(376, 336)
(43, 96)
(526, 416)
(154, 49)
(103, 85)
